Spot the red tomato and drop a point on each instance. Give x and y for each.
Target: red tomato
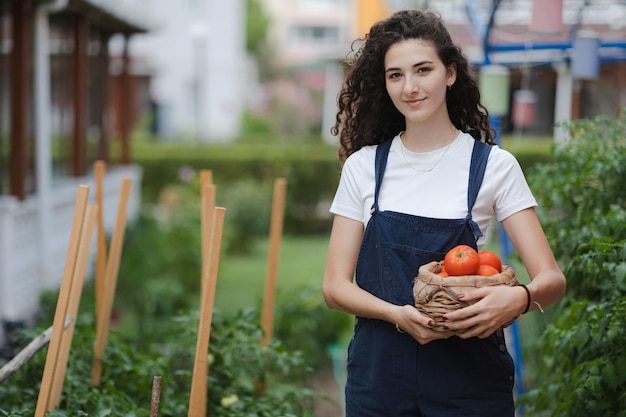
(487, 270)
(491, 259)
(461, 260)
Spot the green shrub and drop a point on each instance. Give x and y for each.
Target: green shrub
(311, 172)
(582, 196)
(305, 324)
(237, 361)
(248, 205)
(584, 182)
(597, 270)
(159, 273)
(584, 361)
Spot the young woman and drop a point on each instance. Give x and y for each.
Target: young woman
(421, 174)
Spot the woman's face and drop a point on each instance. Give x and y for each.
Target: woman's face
(417, 80)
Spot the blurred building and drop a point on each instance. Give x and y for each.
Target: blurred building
(195, 52)
(306, 31)
(309, 31)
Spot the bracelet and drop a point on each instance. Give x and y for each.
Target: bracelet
(398, 327)
(527, 309)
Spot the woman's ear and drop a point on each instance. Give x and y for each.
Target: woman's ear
(451, 79)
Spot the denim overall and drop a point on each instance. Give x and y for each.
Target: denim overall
(390, 373)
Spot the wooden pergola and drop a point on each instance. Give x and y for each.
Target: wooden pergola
(81, 86)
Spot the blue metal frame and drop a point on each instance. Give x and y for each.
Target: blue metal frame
(482, 31)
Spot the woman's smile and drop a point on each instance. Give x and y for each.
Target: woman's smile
(415, 102)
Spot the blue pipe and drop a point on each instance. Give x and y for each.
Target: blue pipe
(544, 46)
(506, 249)
(492, 17)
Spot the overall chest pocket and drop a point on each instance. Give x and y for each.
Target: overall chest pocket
(399, 268)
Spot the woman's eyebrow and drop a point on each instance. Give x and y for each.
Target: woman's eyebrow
(417, 64)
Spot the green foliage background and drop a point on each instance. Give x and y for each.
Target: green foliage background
(582, 193)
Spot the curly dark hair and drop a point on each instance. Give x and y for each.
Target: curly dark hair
(366, 114)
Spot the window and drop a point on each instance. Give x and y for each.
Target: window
(315, 34)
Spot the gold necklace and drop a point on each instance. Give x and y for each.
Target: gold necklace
(403, 150)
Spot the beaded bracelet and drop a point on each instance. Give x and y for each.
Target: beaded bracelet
(527, 298)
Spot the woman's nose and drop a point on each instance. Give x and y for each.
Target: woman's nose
(410, 86)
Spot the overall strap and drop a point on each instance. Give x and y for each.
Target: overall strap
(478, 165)
(382, 152)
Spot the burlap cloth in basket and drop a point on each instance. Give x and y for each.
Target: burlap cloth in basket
(436, 295)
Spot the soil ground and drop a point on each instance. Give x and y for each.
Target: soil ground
(330, 402)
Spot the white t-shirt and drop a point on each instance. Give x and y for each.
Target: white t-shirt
(440, 193)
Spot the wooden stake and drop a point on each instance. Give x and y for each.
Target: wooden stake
(101, 252)
(60, 313)
(73, 304)
(156, 396)
(276, 230)
(206, 177)
(197, 399)
(207, 215)
(207, 204)
(29, 351)
(113, 263)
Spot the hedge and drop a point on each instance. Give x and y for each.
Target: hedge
(312, 172)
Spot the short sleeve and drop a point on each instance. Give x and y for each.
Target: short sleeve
(512, 192)
(356, 185)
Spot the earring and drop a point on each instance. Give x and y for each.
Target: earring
(449, 86)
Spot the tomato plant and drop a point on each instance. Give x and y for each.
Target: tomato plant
(491, 259)
(461, 260)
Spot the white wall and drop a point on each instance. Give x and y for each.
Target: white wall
(22, 275)
(227, 68)
(196, 52)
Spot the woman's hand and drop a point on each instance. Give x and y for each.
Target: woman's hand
(410, 320)
(494, 308)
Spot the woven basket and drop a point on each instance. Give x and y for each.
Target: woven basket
(436, 295)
